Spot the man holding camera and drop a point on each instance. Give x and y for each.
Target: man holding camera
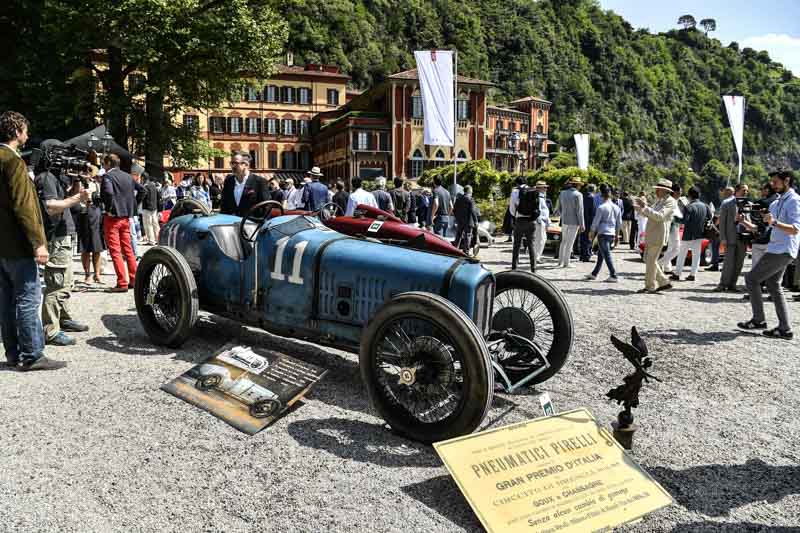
(60, 194)
(784, 241)
(730, 235)
(24, 245)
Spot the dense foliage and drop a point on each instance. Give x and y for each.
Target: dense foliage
(643, 97)
(182, 54)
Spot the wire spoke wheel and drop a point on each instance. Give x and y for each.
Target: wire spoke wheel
(419, 370)
(525, 314)
(533, 308)
(166, 296)
(426, 367)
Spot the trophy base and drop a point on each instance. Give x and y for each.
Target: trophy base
(624, 435)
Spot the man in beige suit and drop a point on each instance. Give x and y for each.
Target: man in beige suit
(659, 218)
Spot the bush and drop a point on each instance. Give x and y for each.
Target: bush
(494, 211)
(479, 174)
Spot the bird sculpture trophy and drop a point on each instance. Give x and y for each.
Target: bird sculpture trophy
(627, 394)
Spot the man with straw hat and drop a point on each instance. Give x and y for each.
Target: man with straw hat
(570, 203)
(659, 218)
(540, 231)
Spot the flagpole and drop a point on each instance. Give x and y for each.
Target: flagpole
(455, 123)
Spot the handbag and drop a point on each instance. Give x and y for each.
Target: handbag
(710, 231)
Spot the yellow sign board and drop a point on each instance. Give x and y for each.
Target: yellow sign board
(563, 473)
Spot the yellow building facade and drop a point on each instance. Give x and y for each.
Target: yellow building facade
(271, 122)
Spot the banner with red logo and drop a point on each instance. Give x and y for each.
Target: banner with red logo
(734, 105)
(435, 71)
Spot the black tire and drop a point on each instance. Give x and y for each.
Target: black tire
(451, 333)
(559, 313)
(265, 408)
(174, 294)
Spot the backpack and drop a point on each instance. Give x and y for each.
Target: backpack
(528, 203)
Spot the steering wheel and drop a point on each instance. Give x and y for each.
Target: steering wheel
(252, 215)
(188, 206)
(329, 211)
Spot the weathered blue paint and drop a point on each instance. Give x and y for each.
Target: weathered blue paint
(330, 291)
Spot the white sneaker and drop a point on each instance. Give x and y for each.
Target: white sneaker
(590, 277)
(612, 280)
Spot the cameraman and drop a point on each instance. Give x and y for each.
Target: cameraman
(59, 195)
(784, 220)
(732, 235)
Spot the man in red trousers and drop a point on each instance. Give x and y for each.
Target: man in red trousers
(119, 193)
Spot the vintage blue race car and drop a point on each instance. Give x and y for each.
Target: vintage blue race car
(432, 330)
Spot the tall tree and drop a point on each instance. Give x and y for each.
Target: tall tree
(199, 57)
(708, 25)
(687, 21)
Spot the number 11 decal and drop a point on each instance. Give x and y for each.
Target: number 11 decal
(299, 249)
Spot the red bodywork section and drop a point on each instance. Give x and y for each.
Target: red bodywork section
(391, 231)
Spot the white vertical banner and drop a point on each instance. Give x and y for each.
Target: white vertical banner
(435, 71)
(734, 105)
(582, 150)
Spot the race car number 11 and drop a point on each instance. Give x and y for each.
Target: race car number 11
(299, 248)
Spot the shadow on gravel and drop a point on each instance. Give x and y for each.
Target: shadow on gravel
(362, 442)
(442, 495)
(687, 336)
(715, 300)
(716, 489)
(724, 527)
(590, 291)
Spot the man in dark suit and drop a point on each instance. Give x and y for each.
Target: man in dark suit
(242, 190)
(120, 194)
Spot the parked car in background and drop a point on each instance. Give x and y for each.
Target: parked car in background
(705, 249)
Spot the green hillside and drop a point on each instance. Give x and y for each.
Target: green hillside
(647, 99)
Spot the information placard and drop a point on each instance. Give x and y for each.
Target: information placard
(562, 473)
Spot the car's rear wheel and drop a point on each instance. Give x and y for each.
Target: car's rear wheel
(535, 309)
(166, 296)
(426, 367)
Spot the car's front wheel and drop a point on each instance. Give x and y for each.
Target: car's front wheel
(426, 367)
(166, 296)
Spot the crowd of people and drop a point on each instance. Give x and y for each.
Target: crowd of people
(673, 229)
(45, 219)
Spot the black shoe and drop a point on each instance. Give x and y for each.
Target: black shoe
(14, 363)
(43, 363)
(776, 333)
(751, 325)
(673, 277)
(663, 288)
(713, 269)
(719, 288)
(690, 278)
(74, 327)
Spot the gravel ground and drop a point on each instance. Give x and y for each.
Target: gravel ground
(98, 447)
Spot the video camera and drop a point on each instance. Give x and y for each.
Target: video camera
(66, 162)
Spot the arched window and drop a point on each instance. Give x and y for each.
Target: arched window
(539, 129)
(417, 163)
(462, 156)
(439, 156)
